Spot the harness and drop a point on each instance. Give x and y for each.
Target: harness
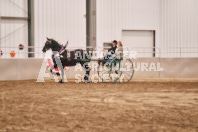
(63, 49)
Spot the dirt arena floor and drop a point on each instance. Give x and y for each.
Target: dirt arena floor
(103, 107)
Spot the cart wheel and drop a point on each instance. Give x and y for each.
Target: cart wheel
(114, 69)
(103, 71)
(124, 70)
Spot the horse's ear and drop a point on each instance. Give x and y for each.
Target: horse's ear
(47, 38)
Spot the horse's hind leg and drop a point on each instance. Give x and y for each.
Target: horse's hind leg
(51, 70)
(58, 63)
(87, 69)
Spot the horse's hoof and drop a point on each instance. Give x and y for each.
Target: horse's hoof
(86, 81)
(60, 81)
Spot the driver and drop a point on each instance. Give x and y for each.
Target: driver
(113, 48)
(111, 51)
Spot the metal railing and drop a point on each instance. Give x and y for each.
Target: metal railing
(15, 52)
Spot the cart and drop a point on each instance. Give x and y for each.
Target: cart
(117, 70)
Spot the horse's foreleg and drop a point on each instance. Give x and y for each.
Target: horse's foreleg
(54, 66)
(62, 79)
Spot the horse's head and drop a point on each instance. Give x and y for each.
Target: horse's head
(51, 44)
(48, 45)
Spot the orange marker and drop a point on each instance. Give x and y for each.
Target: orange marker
(12, 53)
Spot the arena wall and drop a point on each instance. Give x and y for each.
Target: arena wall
(175, 23)
(24, 69)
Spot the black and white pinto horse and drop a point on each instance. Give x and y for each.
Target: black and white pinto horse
(59, 56)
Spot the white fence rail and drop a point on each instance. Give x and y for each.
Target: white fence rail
(147, 52)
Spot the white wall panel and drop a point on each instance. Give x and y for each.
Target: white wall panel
(115, 15)
(179, 27)
(13, 31)
(61, 20)
(16, 8)
(20, 69)
(175, 23)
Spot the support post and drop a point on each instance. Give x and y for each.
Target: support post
(0, 32)
(0, 29)
(30, 28)
(91, 24)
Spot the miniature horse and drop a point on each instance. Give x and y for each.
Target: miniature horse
(60, 58)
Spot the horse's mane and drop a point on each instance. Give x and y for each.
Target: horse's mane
(55, 42)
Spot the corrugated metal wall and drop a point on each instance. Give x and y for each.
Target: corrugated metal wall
(62, 20)
(175, 23)
(179, 27)
(115, 15)
(17, 8)
(13, 31)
